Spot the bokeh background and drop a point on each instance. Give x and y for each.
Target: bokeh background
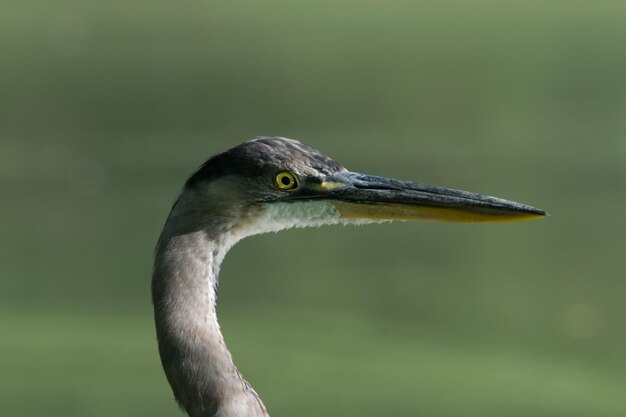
(107, 106)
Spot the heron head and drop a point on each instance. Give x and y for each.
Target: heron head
(271, 183)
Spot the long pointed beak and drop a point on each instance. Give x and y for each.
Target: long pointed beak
(358, 196)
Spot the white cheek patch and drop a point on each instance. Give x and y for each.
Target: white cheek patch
(280, 216)
(274, 217)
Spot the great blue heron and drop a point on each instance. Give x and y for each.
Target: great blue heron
(265, 185)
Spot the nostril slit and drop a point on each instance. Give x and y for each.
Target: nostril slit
(374, 187)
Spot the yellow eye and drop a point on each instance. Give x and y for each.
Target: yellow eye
(286, 181)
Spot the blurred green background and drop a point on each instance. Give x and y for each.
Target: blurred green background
(107, 106)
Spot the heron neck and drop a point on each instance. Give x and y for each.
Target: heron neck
(197, 363)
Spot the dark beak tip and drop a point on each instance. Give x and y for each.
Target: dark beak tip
(535, 213)
(538, 212)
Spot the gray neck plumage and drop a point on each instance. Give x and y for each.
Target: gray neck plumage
(196, 361)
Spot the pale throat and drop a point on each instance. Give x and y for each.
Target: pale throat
(190, 251)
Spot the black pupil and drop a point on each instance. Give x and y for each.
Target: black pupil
(285, 180)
